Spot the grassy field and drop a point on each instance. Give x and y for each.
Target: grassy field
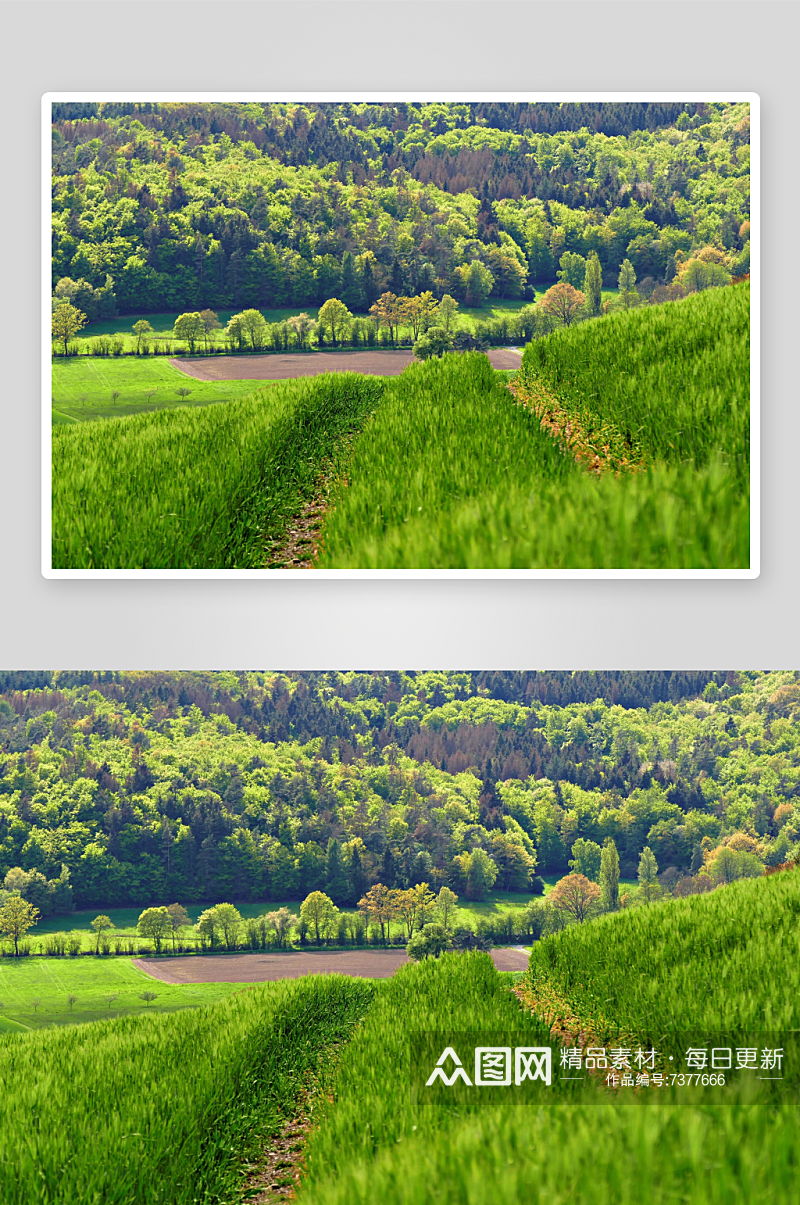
(211, 487)
(724, 961)
(163, 1109)
(673, 380)
(473, 1148)
(729, 960)
(35, 992)
(484, 480)
(481, 486)
(84, 387)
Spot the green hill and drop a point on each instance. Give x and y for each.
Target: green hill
(728, 959)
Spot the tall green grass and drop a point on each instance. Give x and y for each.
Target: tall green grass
(207, 488)
(380, 1142)
(671, 516)
(674, 379)
(448, 432)
(162, 1109)
(728, 961)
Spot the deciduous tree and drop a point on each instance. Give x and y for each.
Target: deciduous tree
(648, 875)
(190, 328)
(334, 316)
(155, 923)
(319, 912)
(17, 916)
(593, 285)
(575, 896)
(100, 924)
(609, 875)
(563, 302)
(67, 320)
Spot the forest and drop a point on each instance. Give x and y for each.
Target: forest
(186, 207)
(141, 788)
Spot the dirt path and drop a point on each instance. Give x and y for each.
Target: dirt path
(287, 366)
(603, 450)
(263, 968)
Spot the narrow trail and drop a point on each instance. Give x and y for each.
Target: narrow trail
(276, 1176)
(604, 450)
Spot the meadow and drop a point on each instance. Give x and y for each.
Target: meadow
(39, 992)
(175, 1130)
(673, 380)
(211, 487)
(653, 402)
(84, 387)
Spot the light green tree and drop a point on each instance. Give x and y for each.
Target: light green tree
(627, 283)
(476, 281)
(334, 316)
(100, 924)
(446, 903)
(141, 330)
(609, 875)
(303, 326)
(17, 916)
(593, 285)
(446, 311)
(319, 912)
(648, 875)
(281, 922)
(428, 942)
(190, 328)
(67, 320)
(227, 922)
(586, 858)
(481, 874)
(434, 342)
(155, 923)
(179, 919)
(254, 327)
(572, 269)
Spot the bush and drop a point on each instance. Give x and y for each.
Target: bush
(429, 942)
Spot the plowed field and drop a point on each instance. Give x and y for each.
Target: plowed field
(280, 367)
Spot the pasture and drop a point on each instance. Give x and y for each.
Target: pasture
(84, 387)
(38, 992)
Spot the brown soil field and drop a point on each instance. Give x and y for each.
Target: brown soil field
(261, 968)
(281, 367)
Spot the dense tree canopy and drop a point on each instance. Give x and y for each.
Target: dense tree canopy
(185, 206)
(149, 787)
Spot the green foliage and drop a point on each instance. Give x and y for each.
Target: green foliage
(250, 205)
(235, 784)
(200, 488)
(159, 1076)
(430, 941)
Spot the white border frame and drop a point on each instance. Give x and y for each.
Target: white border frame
(751, 98)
